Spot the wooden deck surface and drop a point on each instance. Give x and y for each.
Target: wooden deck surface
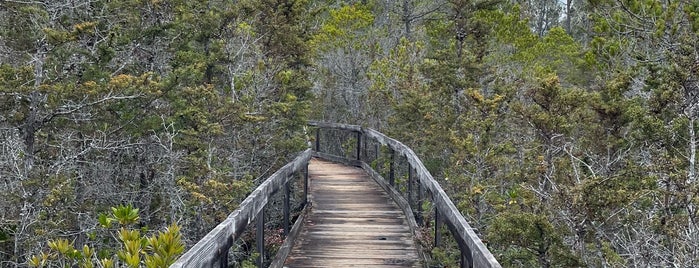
(352, 223)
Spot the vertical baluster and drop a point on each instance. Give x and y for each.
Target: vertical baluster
(463, 262)
(359, 145)
(223, 259)
(391, 177)
(378, 150)
(466, 259)
(318, 139)
(287, 196)
(260, 237)
(364, 148)
(305, 184)
(420, 196)
(410, 185)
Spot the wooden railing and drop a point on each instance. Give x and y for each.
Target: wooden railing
(213, 249)
(418, 184)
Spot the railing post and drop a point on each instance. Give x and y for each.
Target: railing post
(378, 148)
(287, 194)
(318, 139)
(466, 259)
(410, 185)
(260, 237)
(305, 185)
(420, 196)
(223, 259)
(364, 150)
(391, 175)
(437, 228)
(359, 145)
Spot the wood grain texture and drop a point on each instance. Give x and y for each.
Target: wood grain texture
(402, 203)
(470, 244)
(286, 247)
(219, 240)
(352, 223)
(355, 223)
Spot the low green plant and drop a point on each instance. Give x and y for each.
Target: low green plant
(136, 250)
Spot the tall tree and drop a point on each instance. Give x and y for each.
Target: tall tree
(658, 40)
(165, 105)
(346, 46)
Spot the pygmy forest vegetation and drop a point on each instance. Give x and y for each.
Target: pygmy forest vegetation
(565, 131)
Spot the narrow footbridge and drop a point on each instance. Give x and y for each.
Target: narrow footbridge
(358, 199)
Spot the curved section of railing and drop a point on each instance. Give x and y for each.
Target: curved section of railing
(473, 252)
(212, 250)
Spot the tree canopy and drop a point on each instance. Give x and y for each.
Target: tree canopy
(565, 131)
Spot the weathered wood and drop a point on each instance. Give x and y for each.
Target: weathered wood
(392, 169)
(410, 187)
(338, 159)
(223, 260)
(305, 185)
(402, 203)
(287, 208)
(318, 140)
(461, 230)
(359, 145)
(378, 151)
(420, 197)
(213, 248)
(352, 221)
(285, 249)
(260, 238)
(207, 251)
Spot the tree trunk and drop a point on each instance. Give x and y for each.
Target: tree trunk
(29, 128)
(691, 174)
(31, 122)
(407, 18)
(569, 4)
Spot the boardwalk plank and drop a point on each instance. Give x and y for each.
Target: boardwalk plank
(352, 223)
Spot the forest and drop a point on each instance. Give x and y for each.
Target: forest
(565, 131)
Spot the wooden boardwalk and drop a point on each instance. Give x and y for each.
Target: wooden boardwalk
(352, 223)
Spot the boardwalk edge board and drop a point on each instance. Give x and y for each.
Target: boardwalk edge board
(463, 233)
(286, 247)
(352, 230)
(403, 204)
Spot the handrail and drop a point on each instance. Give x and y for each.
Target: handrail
(212, 250)
(214, 246)
(474, 253)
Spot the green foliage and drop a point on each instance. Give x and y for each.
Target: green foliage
(125, 215)
(5, 233)
(158, 250)
(532, 240)
(692, 10)
(552, 106)
(443, 258)
(164, 247)
(394, 76)
(169, 104)
(556, 52)
(343, 28)
(558, 146)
